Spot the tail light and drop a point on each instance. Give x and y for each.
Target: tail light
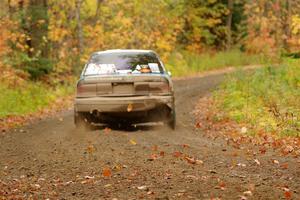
(86, 90)
(79, 88)
(160, 87)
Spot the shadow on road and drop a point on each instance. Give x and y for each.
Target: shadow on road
(127, 127)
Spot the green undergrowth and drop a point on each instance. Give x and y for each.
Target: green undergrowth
(185, 63)
(268, 99)
(29, 98)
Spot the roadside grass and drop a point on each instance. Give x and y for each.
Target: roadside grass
(267, 99)
(29, 98)
(184, 63)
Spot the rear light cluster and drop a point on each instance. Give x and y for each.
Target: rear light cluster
(159, 87)
(86, 89)
(115, 88)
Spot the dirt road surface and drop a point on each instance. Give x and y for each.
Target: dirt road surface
(50, 159)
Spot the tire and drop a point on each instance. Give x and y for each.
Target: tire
(82, 121)
(172, 121)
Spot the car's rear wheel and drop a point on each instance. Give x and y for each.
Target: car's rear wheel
(82, 120)
(172, 120)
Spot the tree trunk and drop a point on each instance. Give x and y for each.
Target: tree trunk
(10, 10)
(288, 23)
(79, 26)
(38, 27)
(229, 24)
(98, 10)
(279, 29)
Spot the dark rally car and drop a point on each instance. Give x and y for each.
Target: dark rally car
(124, 86)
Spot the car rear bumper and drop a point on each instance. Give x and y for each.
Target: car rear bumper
(122, 104)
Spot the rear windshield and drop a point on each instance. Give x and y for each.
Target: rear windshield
(123, 62)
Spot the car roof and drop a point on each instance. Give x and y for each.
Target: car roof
(124, 51)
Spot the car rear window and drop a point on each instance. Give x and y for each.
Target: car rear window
(123, 62)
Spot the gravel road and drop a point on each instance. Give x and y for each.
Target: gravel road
(50, 159)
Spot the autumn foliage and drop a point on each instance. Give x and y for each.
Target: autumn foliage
(54, 38)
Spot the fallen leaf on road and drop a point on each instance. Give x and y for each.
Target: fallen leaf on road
(37, 186)
(288, 149)
(241, 165)
(185, 146)
(286, 189)
(199, 162)
(107, 185)
(235, 154)
(132, 142)
(162, 153)
(177, 154)
(287, 194)
(179, 194)
(222, 185)
(191, 177)
(284, 165)
(68, 183)
(154, 148)
(142, 187)
(118, 167)
(190, 160)
(257, 161)
(198, 125)
(153, 157)
(84, 182)
(262, 150)
(91, 149)
(106, 172)
(275, 161)
(248, 193)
